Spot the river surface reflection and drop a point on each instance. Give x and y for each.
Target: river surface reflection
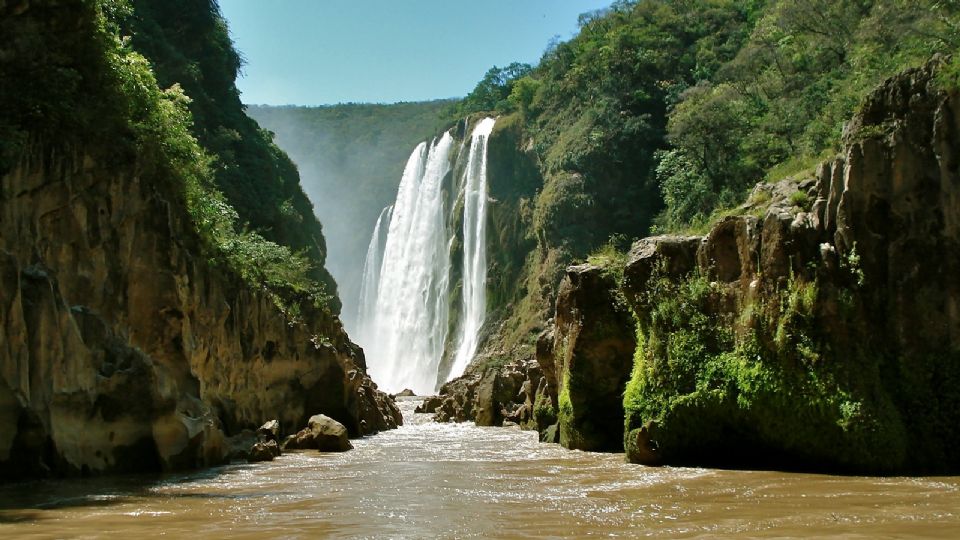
(430, 480)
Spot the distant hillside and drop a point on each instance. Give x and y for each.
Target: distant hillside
(350, 158)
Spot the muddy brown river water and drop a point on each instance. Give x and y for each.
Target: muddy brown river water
(429, 480)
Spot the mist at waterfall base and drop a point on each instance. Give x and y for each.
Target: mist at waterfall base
(404, 312)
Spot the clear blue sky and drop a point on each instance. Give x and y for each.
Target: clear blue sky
(313, 52)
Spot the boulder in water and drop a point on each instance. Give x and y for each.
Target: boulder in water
(264, 451)
(406, 393)
(322, 433)
(429, 405)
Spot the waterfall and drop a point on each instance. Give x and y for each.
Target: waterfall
(370, 278)
(474, 247)
(404, 312)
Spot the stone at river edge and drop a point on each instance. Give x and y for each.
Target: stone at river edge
(269, 431)
(264, 451)
(322, 433)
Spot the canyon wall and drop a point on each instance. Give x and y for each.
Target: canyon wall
(125, 345)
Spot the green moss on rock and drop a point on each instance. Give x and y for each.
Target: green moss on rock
(771, 393)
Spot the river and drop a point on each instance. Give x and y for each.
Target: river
(428, 480)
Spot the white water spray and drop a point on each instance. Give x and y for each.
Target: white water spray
(370, 280)
(403, 325)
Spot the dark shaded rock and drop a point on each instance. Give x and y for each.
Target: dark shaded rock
(729, 252)
(270, 431)
(377, 410)
(429, 405)
(264, 451)
(641, 446)
(239, 445)
(593, 352)
(405, 393)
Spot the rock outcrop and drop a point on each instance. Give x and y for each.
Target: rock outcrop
(488, 397)
(124, 350)
(590, 359)
(825, 326)
(264, 451)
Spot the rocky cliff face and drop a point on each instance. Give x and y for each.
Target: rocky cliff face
(122, 346)
(124, 350)
(823, 330)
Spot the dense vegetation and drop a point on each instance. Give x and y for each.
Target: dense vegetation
(704, 99)
(781, 103)
(45, 102)
(351, 157)
(661, 114)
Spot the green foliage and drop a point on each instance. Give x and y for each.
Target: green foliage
(786, 93)
(801, 200)
(188, 45)
(523, 94)
(594, 115)
(544, 413)
(494, 91)
(687, 195)
(612, 257)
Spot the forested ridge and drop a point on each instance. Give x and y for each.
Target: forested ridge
(171, 70)
(661, 116)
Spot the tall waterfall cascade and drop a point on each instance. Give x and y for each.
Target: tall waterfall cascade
(370, 278)
(404, 310)
(474, 247)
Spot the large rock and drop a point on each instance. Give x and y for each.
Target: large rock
(264, 451)
(818, 335)
(667, 256)
(429, 405)
(593, 355)
(239, 445)
(322, 433)
(489, 396)
(269, 431)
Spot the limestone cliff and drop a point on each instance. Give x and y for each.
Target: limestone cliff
(822, 327)
(123, 345)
